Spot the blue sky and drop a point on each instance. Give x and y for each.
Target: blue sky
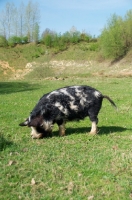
(85, 15)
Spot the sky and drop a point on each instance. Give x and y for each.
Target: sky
(89, 16)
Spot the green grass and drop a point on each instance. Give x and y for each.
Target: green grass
(77, 166)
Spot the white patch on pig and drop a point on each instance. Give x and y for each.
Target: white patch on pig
(67, 93)
(35, 134)
(97, 94)
(61, 108)
(53, 93)
(47, 125)
(73, 106)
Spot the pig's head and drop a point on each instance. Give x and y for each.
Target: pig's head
(40, 127)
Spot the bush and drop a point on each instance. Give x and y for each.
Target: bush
(65, 38)
(3, 41)
(111, 38)
(94, 46)
(115, 39)
(85, 37)
(24, 40)
(127, 33)
(12, 41)
(47, 40)
(75, 38)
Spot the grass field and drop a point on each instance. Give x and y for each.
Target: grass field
(77, 166)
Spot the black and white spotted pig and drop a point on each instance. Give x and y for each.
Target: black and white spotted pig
(62, 105)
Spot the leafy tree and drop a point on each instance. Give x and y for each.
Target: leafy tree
(48, 40)
(127, 30)
(115, 39)
(66, 37)
(48, 37)
(111, 41)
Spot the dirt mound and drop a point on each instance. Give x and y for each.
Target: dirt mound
(6, 67)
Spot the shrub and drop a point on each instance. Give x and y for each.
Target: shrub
(85, 37)
(65, 38)
(24, 40)
(75, 38)
(115, 39)
(12, 41)
(94, 46)
(48, 40)
(127, 32)
(3, 41)
(111, 38)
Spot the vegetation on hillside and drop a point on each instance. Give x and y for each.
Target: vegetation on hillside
(114, 42)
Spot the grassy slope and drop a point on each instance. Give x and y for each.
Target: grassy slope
(20, 55)
(77, 166)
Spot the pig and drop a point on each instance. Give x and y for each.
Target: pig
(63, 105)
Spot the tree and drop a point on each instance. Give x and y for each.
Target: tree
(31, 20)
(6, 20)
(127, 31)
(111, 42)
(20, 22)
(3, 30)
(48, 37)
(15, 22)
(75, 35)
(35, 33)
(3, 41)
(21, 19)
(10, 10)
(115, 39)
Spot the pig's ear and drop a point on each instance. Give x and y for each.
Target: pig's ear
(36, 121)
(25, 123)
